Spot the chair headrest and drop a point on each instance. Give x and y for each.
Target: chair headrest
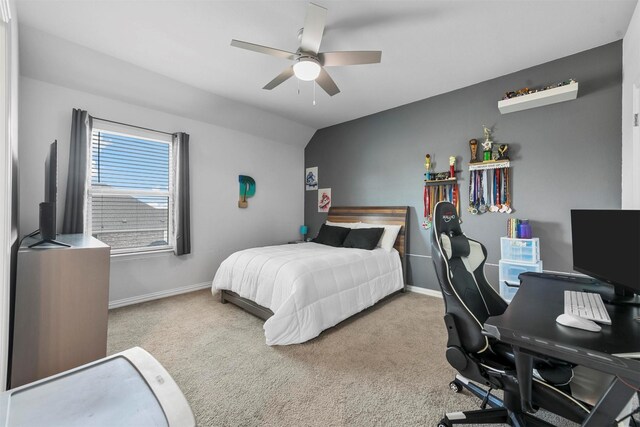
(456, 247)
(446, 220)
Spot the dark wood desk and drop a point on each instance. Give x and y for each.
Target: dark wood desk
(529, 326)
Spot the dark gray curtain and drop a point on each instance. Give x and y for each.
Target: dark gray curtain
(74, 204)
(182, 202)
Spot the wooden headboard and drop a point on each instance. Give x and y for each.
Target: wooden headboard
(389, 215)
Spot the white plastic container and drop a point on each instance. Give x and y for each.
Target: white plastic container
(520, 250)
(509, 272)
(507, 292)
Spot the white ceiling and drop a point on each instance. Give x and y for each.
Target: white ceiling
(429, 47)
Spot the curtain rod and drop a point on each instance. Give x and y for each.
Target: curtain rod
(133, 126)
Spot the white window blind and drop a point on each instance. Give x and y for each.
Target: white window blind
(131, 189)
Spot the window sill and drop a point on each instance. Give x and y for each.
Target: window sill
(141, 254)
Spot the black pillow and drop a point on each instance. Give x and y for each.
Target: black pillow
(363, 238)
(332, 236)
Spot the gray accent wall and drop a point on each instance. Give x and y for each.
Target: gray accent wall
(564, 156)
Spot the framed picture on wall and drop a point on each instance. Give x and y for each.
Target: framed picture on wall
(311, 178)
(324, 199)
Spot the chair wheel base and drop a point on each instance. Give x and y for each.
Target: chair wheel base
(455, 386)
(444, 423)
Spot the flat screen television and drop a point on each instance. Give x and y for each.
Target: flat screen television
(606, 246)
(48, 207)
(51, 174)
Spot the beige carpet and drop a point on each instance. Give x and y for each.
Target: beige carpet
(385, 366)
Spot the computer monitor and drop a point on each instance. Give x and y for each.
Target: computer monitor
(606, 246)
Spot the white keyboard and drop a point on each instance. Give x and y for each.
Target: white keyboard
(587, 305)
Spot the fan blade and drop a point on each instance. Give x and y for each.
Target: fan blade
(313, 28)
(263, 49)
(281, 78)
(325, 81)
(333, 59)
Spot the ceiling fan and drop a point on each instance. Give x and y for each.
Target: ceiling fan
(308, 63)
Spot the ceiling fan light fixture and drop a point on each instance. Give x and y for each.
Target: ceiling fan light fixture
(306, 69)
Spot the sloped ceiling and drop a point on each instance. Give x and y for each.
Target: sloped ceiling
(429, 47)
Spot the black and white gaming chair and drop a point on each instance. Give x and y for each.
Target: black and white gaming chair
(469, 301)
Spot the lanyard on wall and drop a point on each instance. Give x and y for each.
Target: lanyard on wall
(489, 191)
(439, 186)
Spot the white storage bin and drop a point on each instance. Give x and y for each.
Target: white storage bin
(507, 292)
(509, 272)
(520, 250)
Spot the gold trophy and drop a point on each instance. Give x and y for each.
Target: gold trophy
(473, 146)
(486, 154)
(502, 151)
(427, 166)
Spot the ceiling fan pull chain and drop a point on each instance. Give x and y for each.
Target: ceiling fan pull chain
(314, 93)
(298, 80)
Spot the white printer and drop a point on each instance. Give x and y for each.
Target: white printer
(127, 389)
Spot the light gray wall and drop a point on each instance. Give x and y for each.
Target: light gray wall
(9, 72)
(630, 82)
(218, 156)
(564, 156)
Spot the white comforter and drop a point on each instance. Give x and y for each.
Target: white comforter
(309, 287)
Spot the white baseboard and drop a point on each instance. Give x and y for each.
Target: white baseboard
(157, 295)
(198, 286)
(424, 291)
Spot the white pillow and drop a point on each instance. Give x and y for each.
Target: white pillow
(344, 224)
(388, 238)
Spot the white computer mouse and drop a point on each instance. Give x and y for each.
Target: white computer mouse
(578, 322)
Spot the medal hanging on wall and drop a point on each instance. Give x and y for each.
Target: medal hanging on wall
(489, 191)
(494, 192)
(426, 222)
(438, 186)
(506, 204)
(472, 181)
(484, 197)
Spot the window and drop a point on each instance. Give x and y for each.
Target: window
(131, 188)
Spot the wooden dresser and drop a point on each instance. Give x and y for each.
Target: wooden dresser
(61, 305)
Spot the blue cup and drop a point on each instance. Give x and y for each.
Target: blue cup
(524, 229)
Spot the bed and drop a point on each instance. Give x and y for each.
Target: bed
(302, 289)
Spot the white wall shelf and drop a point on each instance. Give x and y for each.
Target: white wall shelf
(539, 99)
(489, 164)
